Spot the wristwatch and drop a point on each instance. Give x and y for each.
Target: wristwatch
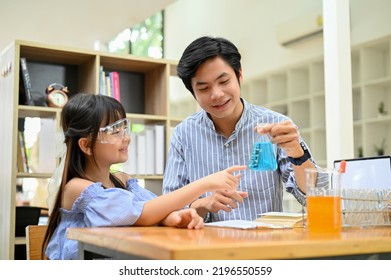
(299, 161)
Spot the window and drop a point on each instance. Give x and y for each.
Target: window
(144, 39)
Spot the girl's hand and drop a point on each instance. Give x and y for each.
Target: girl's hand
(224, 180)
(184, 218)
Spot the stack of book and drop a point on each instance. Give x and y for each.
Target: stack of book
(269, 220)
(109, 83)
(146, 151)
(285, 219)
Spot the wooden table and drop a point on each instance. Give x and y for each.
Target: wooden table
(165, 243)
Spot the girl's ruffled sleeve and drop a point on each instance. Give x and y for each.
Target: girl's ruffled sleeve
(113, 206)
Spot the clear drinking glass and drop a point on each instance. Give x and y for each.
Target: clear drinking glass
(323, 189)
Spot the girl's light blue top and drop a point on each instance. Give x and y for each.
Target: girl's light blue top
(97, 207)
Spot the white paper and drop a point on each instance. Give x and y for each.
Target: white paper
(242, 224)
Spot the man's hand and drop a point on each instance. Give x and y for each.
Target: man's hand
(220, 200)
(285, 135)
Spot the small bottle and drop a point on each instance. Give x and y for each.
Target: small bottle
(263, 157)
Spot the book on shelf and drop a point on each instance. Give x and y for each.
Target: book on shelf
(141, 154)
(159, 149)
(25, 95)
(47, 146)
(115, 85)
(22, 160)
(146, 150)
(19, 159)
(102, 81)
(130, 166)
(269, 220)
(149, 150)
(108, 85)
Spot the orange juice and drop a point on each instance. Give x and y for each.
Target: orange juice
(324, 214)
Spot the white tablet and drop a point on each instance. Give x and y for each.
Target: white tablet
(368, 173)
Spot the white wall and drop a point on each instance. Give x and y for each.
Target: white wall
(251, 25)
(72, 23)
(370, 19)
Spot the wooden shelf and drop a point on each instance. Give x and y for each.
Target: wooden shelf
(33, 175)
(144, 83)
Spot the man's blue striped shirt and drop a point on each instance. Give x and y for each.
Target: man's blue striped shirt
(197, 150)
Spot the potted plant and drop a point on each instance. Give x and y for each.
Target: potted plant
(380, 150)
(360, 152)
(382, 109)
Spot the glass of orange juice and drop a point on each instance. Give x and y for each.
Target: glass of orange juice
(323, 189)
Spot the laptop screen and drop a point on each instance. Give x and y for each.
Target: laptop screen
(369, 173)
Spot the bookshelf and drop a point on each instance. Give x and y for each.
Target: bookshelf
(298, 91)
(144, 86)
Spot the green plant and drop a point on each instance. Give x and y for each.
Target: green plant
(360, 152)
(382, 108)
(380, 150)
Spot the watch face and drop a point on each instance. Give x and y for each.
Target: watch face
(58, 98)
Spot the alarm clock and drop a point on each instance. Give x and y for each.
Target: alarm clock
(57, 95)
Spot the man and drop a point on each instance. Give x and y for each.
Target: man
(222, 134)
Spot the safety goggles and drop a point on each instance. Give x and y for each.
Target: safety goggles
(114, 133)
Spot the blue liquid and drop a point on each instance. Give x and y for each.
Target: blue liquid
(262, 157)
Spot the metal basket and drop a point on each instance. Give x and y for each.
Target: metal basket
(366, 207)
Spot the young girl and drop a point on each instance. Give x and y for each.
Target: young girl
(96, 136)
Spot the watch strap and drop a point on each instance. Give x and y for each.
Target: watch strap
(300, 160)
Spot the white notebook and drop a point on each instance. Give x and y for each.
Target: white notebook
(242, 224)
